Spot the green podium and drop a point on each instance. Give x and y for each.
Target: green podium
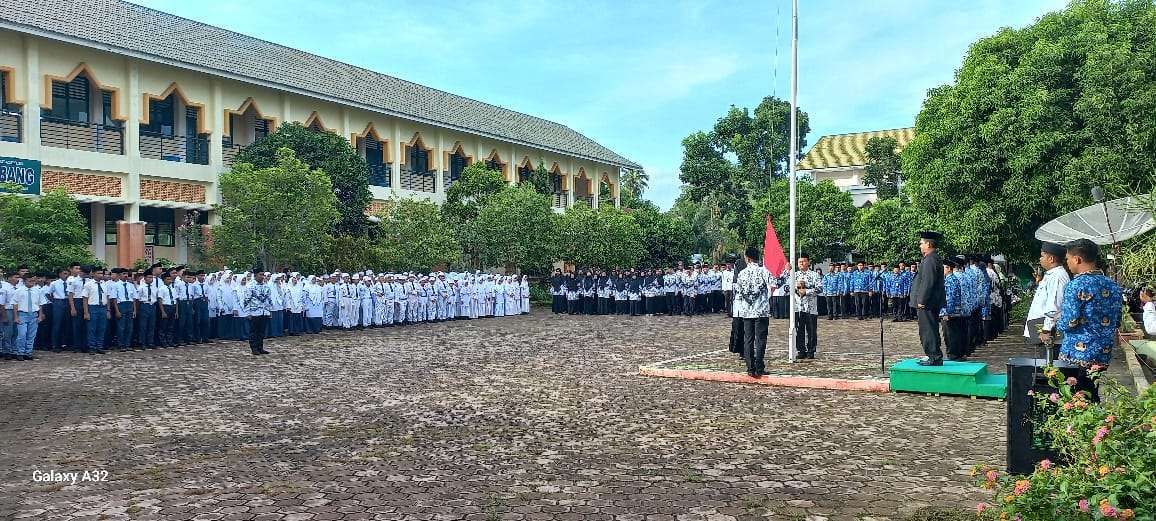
(957, 378)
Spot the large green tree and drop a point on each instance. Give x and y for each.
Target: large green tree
(515, 229)
(888, 231)
(736, 160)
(603, 237)
(414, 235)
(465, 199)
(331, 154)
(1035, 118)
(883, 166)
(278, 216)
(46, 233)
(824, 215)
(666, 238)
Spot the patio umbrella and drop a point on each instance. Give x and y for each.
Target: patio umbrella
(1103, 223)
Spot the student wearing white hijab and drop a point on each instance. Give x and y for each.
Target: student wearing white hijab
(524, 292)
(295, 307)
(331, 303)
(314, 303)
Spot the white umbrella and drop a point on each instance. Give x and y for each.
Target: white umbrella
(1103, 223)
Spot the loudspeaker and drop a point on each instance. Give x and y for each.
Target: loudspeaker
(1027, 444)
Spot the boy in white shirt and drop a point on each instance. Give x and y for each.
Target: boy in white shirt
(95, 308)
(26, 301)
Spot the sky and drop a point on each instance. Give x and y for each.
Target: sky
(641, 75)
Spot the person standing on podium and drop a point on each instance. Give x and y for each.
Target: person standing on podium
(928, 297)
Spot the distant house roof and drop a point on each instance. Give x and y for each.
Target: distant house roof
(157, 36)
(849, 150)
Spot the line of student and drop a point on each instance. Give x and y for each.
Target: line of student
(89, 310)
(685, 290)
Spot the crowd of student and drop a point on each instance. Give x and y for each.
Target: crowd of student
(91, 310)
(685, 290)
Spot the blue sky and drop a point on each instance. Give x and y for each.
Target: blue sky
(638, 76)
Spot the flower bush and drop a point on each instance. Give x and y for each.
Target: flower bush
(1108, 453)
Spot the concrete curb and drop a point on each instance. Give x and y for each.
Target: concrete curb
(1138, 379)
(804, 382)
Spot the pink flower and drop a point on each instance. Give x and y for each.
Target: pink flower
(1071, 380)
(991, 475)
(1110, 419)
(1107, 509)
(1100, 434)
(1054, 398)
(1069, 429)
(980, 508)
(1022, 486)
(1046, 464)
(1067, 406)
(1084, 506)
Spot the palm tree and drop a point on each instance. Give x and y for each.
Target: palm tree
(635, 181)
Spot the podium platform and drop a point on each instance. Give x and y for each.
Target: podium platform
(957, 378)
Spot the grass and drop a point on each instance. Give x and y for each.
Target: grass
(694, 477)
(938, 514)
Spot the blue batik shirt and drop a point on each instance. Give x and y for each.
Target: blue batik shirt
(969, 297)
(954, 290)
(1089, 319)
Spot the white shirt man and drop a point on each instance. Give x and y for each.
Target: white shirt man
(1049, 294)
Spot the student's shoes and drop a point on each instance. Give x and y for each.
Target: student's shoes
(930, 363)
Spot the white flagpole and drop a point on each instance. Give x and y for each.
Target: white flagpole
(792, 349)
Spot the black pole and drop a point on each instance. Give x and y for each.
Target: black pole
(882, 356)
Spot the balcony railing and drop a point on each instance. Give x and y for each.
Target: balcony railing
(417, 181)
(229, 151)
(588, 199)
(560, 199)
(11, 122)
(380, 174)
(181, 149)
(79, 135)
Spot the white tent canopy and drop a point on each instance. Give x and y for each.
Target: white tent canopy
(1102, 223)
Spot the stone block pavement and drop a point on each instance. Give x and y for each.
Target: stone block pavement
(532, 417)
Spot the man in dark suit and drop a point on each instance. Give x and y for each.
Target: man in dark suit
(928, 297)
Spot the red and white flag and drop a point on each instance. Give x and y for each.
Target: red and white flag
(773, 258)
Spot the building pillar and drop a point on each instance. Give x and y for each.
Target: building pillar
(130, 242)
(33, 94)
(439, 156)
(134, 106)
(96, 229)
(215, 111)
(285, 110)
(617, 193)
(344, 130)
(568, 183)
(596, 189)
(399, 149)
(179, 244)
(512, 167)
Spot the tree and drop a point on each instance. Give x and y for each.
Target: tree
(540, 180)
(760, 146)
(702, 217)
(279, 216)
(471, 191)
(331, 154)
(515, 229)
(888, 231)
(46, 233)
(414, 236)
(634, 182)
(1035, 118)
(883, 164)
(666, 239)
(604, 237)
(824, 215)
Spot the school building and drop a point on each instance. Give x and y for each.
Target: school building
(136, 112)
(842, 159)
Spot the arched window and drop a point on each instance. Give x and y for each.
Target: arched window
(82, 116)
(525, 172)
(418, 159)
(458, 162)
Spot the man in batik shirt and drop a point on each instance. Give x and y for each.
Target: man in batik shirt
(1090, 313)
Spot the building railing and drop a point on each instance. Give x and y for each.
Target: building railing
(181, 149)
(80, 135)
(380, 175)
(417, 181)
(11, 123)
(229, 151)
(588, 199)
(560, 199)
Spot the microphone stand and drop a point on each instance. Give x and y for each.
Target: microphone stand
(882, 352)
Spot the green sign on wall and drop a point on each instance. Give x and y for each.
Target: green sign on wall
(22, 172)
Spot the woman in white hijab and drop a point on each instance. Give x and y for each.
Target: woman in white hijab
(242, 317)
(314, 303)
(294, 305)
(513, 302)
(524, 292)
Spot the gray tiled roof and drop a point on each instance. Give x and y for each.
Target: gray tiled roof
(126, 27)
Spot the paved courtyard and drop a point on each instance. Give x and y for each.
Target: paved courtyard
(536, 417)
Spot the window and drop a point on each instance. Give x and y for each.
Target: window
(556, 183)
(524, 174)
(5, 95)
(378, 173)
(418, 159)
(160, 117)
(457, 164)
(494, 164)
(260, 128)
(106, 109)
(70, 100)
(159, 226)
(112, 214)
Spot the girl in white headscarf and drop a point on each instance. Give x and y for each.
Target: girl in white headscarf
(314, 303)
(513, 303)
(524, 292)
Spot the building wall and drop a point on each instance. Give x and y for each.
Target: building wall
(849, 180)
(132, 180)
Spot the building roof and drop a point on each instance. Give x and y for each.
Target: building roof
(849, 150)
(157, 36)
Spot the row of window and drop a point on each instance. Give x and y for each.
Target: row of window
(160, 223)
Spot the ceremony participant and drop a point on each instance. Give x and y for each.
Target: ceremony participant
(201, 317)
(96, 312)
(727, 283)
(313, 302)
(256, 304)
(689, 291)
(1090, 312)
(952, 313)
(525, 294)
(124, 302)
(229, 307)
(736, 339)
(1148, 304)
(779, 296)
(295, 307)
(928, 297)
(169, 312)
(860, 284)
(364, 303)
(807, 285)
(60, 321)
(27, 301)
(513, 298)
(557, 292)
(830, 289)
(146, 323)
(752, 305)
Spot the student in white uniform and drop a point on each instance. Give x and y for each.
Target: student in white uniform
(26, 301)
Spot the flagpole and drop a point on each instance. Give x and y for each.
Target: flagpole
(792, 349)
